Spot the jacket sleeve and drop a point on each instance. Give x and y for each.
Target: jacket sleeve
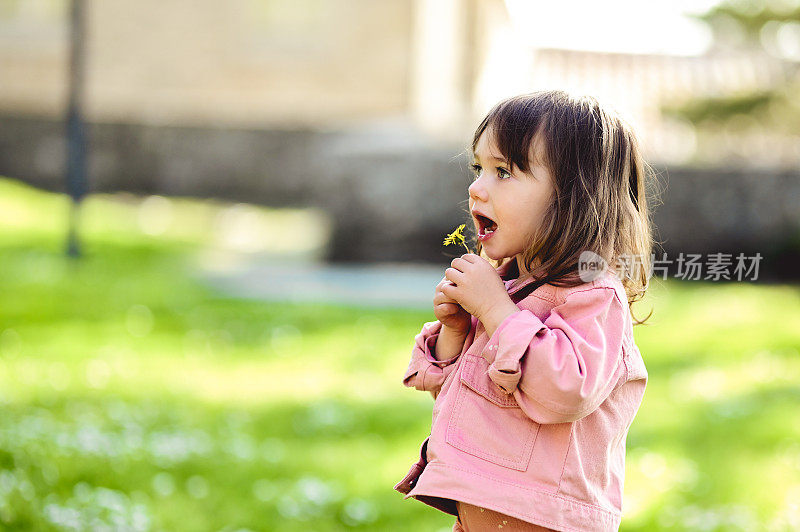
(563, 368)
(424, 372)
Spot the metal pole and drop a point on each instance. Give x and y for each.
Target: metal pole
(76, 133)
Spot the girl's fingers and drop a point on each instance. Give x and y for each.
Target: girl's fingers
(441, 297)
(448, 290)
(453, 275)
(448, 308)
(444, 281)
(443, 285)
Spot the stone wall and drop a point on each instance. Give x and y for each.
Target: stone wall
(391, 196)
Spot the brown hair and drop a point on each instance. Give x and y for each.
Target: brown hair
(599, 179)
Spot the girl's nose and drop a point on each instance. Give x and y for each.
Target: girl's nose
(477, 190)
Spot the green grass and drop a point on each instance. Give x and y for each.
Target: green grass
(135, 397)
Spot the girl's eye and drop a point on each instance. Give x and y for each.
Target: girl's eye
(502, 173)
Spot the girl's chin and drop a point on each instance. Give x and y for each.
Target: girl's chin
(493, 255)
(497, 256)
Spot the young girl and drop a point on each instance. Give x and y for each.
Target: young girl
(531, 361)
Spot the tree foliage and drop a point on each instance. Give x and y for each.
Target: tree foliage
(770, 26)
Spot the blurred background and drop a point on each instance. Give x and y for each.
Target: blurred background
(221, 227)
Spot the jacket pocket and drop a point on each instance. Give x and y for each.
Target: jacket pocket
(486, 422)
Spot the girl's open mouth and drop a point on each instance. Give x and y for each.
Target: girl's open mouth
(487, 227)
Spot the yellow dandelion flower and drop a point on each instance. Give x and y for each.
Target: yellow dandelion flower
(457, 238)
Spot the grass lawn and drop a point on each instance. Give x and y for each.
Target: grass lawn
(136, 398)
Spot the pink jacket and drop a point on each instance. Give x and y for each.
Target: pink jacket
(533, 421)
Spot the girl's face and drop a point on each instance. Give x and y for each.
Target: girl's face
(514, 201)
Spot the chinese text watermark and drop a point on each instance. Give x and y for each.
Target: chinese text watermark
(690, 266)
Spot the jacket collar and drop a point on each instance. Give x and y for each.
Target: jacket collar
(509, 273)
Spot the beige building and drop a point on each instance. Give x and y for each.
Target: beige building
(437, 64)
(245, 62)
(254, 63)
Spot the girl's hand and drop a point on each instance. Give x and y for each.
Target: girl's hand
(477, 286)
(449, 312)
